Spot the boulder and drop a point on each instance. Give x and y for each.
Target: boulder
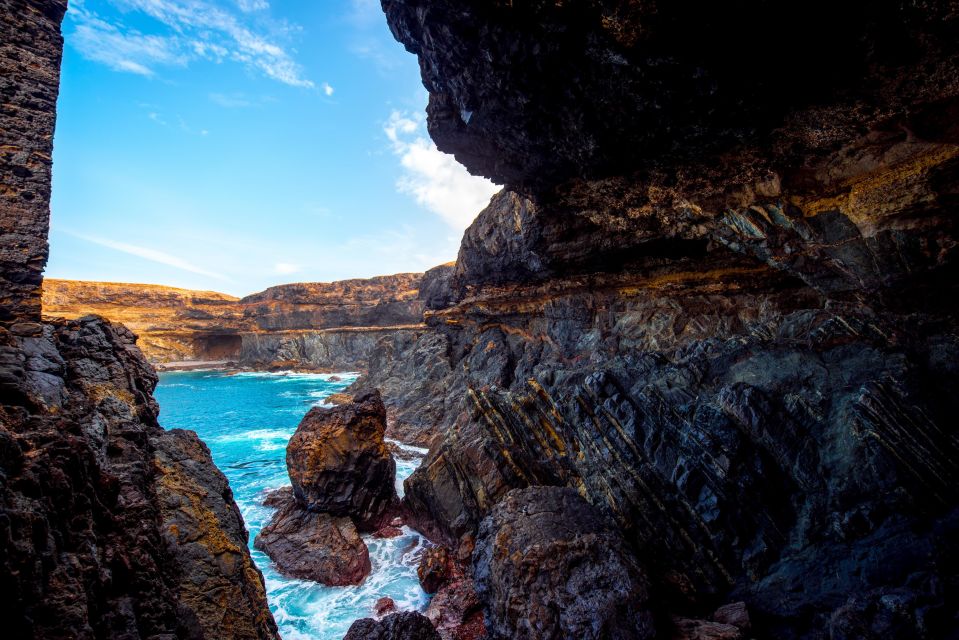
(435, 568)
(313, 546)
(405, 625)
(384, 606)
(339, 463)
(689, 629)
(548, 566)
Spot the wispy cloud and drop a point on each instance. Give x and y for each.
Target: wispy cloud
(250, 6)
(327, 89)
(153, 255)
(191, 29)
(435, 179)
(129, 51)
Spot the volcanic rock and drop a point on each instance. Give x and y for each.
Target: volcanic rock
(112, 526)
(548, 566)
(313, 546)
(456, 611)
(203, 527)
(339, 463)
(405, 625)
(725, 313)
(435, 568)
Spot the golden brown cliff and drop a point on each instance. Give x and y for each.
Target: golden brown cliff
(172, 324)
(312, 325)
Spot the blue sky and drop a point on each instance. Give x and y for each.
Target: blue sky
(236, 144)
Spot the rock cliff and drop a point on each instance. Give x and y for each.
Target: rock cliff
(312, 325)
(716, 298)
(110, 527)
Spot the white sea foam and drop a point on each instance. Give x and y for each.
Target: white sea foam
(255, 434)
(420, 451)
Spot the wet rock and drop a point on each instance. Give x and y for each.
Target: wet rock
(339, 463)
(338, 398)
(435, 568)
(406, 625)
(314, 546)
(384, 606)
(548, 566)
(388, 531)
(277, 498)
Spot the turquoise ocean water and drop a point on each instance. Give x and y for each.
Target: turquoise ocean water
(246, 419)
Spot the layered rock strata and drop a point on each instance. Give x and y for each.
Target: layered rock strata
(306, 325)
(717, 297)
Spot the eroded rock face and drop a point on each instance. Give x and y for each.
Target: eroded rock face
(730, 322)
(203, 527)
(313, 546)
(111, 526)
(340, 465)
(435, 568)
(406, 625)
(537, 92)
(548, 567)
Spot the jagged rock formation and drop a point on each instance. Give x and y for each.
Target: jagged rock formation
(339, 463)
(110, 527)
(203, 527)
(717, 298)
(343, 480)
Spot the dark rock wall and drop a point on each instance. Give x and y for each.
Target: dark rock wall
(30, 51)
(718, 296)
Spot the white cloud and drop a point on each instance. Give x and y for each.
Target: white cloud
(435, 179)
(327, 89)
(285, 268)
(195, 29)
(153, 255)
(129, 51)
(249, 6)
